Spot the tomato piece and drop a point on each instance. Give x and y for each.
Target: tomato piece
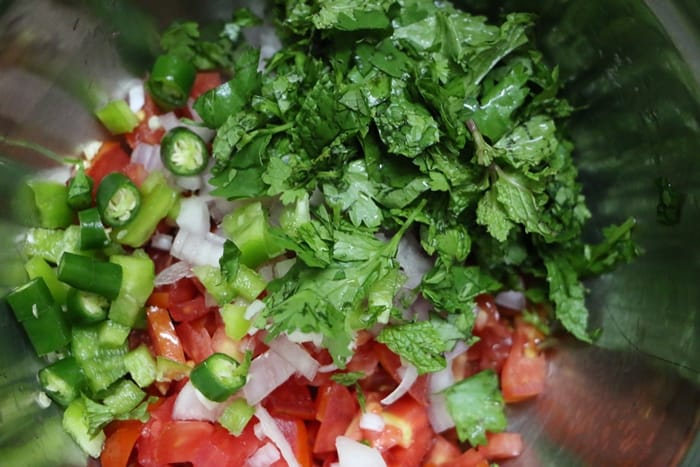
(143, 133)
(412, 420)
(441, 452)
(291, 399)
(391, 363)
(364, 360)
(160, 299)
(222, 449)
(495, 337)
(110, 158)
(120, 443)
(502, 446)
(162, 332)
(294, 431)
(137, 173)
(195, 339)
(205, 81)
(470, 458)
(189, 310)
(335, 409)
(180, 440)
(525, 370)
(183, 290)
(221, 342)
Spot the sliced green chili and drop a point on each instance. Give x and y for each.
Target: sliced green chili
(51, 202)
(219, 376)
(236, 416)
(80, 190)
(86, 307)
(117, 117)
(184, 152)
(170, 81)
(141, 365)
(63, 380)
(118, 199)
(75, 423)
(37, 266)
(90, 274)
(92, 233)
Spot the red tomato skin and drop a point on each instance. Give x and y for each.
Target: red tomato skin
(294, 431)
(291, 399)
(335, 409)
(162, 332)
(501, 446)
(110, 158)
(120, 443)
(222, 449)
(391, 363)
(470, 458)
(525, 370)
(421, 434)
(196, 341)
(205, 81)
(143, 133)
(189, 310)
(441, 452)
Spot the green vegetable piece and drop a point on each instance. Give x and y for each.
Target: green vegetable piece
(247, 227)
(184, 152)
(137, 285)
(123, 397)
(219, 376)
(36, 266)
(118, 199)
(248, 283)
(40, 315)
(51, 200)
(235, 324)
(75, 423)
(112, 334)
(476, 405)
(92, 233)
(169, 370)
(141, 366)
(80, 190)
(50, 244)
(117, 117)
(86, 307)
(236, 416)
(90, 274)
(63, 380)
(170, 81)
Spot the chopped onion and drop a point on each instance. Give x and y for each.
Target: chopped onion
(327, 368)
(90, 149)
(173, 273)
(296, 355)
(372, 421)
(189, 405)
(148, 155)
(136, 97)
(282, 267)
(42, 400)
(169, 121)
(439, 416)
(413, 260)
(197, 250)
(459, 348)
(194, 215)
(265, 456)
(161, 241)
(189, 183)
(513, 299)
(409, 374)
(441, 379)
(267, 371)
(272, 431)
(352, 453)
(255, 307)
(267, 272)
(316, 338)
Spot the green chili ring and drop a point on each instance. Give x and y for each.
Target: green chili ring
(170, 81)
(184, 152)
(118, 199)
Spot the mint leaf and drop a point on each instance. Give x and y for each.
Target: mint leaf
(348, 378)
(230, 260)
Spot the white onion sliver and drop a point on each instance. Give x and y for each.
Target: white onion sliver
(193, 215)
(148, 155)
(267, 272)
(189, 406)
(459, 348)
(439, 416)
(173, 273)
(409, 374)
(372, 421)
(296, 355)
(267, 371)
(162, 241)
(196, 249)
(169, 121)
(441, 380)
(265, 456)
(272, 431)
(255, 307)
(189, 183)
(283, 267)
(316, 338)
(136, 97)
(413, 260)
(513, 299)
(352, 453)
(327, 368)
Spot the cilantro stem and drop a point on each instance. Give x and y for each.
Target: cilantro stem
(42, 150)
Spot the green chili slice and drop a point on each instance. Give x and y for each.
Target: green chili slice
(117, 117)
(170, 81)
(184, 152)
(90, 274)
(80, 190)
(92, 232)
(118, 199)
(219, 376)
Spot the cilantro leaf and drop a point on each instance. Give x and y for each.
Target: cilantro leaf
(230, 260)
(348, 378)
(476, 405)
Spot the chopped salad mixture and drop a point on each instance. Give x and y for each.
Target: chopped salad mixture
(345, 249)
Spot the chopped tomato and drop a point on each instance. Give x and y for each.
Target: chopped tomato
(525, 370)
(120, 443)
(137, 173)
(442, 452)
(411, 418)
(182, 290)
(294, 431)
(291, 399)
(172, 442)
(364, 360)
(502, 446)
(222, 449)
(335, 408)
(162, 332)
(204, 81)
(160, 299)
(195, 339)
(391, 363)
(470, 458)
(143, 133)
(189, 310)
(222, 343)
(110, 158)
(495, 337)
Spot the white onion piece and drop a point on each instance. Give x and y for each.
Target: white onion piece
(409, 374)
(148, 155)
(189, 405)
(372, 421)
(272, 431)
(327, 368)
(352, 453)
(189, 183)
(513, 299)
(162, 241)
(207, 134)
(296, 355)
(193, 215)
(173, 273)
(136, 97)
(439, 416)
(257, 431)
(195, 115)
(282, 267)
(196, 249)
(316, 338)
(267, 371)
(60, 174)
(413, 260)
(459, 348)
(252, 310)
(267, 272)
(265, 456)
(217, 239)
(441, 380)
(169, 121)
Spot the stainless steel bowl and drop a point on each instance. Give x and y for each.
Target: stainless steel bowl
(633, 70)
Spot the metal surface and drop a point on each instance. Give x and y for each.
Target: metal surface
(633, 70)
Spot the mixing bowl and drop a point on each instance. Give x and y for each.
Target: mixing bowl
(632, 70)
